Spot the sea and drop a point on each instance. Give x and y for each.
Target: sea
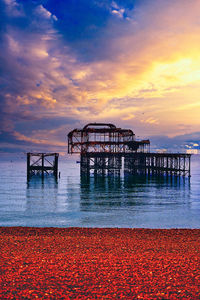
(124, 201)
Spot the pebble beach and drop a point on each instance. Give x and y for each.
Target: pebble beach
(99, 263)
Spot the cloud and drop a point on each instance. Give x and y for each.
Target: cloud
(179, 143)
(43, 12)
(13, 8)
(99, 60)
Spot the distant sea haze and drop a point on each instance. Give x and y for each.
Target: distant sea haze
(97, 201)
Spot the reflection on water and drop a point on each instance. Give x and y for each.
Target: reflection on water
(98, 201)
(41, 194)
(131, 192)
(136, 201)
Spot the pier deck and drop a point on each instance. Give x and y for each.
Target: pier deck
(144, 163)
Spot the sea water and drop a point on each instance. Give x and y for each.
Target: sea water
(98, 201)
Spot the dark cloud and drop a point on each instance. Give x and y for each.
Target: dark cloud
(27, 127)
(177, 143)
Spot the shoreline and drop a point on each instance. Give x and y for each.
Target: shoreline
(99, 263)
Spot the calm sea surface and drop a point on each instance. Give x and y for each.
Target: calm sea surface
(109, 201)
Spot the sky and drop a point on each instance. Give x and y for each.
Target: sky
(64, 64)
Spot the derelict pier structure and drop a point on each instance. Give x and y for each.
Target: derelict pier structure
(42, 163)
(106, 148)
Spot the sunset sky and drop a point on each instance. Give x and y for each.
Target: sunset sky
(134, 63)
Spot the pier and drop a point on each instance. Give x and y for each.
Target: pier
(137, 163)
(158, 163)
(41, 164)
(104, 148)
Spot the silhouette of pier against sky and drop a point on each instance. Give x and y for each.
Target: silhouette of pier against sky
(104, 148)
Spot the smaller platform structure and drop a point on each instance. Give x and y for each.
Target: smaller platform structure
(41, 164)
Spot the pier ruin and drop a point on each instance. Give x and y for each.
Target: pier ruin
(104, 148)
(41, 164)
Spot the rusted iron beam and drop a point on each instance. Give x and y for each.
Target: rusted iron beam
(102, 137)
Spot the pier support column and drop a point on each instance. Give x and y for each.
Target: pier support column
(28, 166)
(56, 166)
(189, 171)
(42, 165)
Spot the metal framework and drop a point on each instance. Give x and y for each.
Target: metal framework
(42, 163)
(103, 147)
(102, 137)
(158, 163)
